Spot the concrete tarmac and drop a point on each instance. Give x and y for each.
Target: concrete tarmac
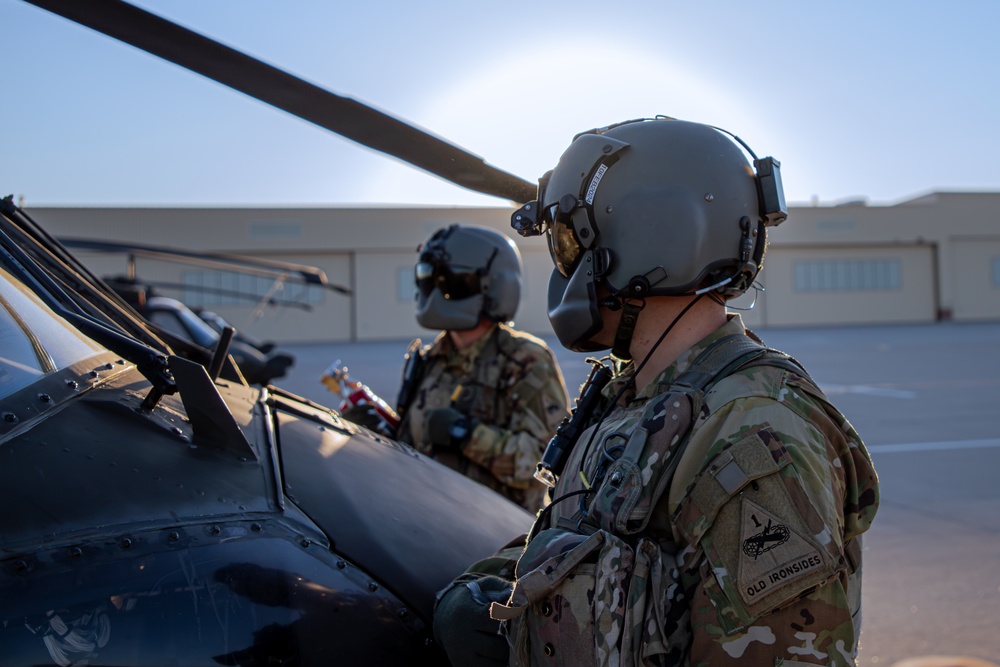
(926, 399)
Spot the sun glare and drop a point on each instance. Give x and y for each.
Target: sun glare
(520, 112)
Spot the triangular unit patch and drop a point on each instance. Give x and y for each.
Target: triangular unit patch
(772, 555)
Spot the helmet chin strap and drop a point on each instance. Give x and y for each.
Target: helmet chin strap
(626, 327)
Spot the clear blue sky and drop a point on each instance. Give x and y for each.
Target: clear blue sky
(882, 100)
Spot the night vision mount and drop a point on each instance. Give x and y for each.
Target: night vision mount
(525, 220)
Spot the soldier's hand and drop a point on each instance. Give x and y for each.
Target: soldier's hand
(503, 466)
(447, 428)
(462, 623)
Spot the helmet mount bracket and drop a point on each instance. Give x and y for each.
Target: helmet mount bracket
(641, 286)
(746, 242)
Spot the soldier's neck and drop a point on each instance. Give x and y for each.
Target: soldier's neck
(463, 339)
(702, 319)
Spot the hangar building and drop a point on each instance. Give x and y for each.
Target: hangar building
(934, 257)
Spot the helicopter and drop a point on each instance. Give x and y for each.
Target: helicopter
(259, 361)
(160, 510)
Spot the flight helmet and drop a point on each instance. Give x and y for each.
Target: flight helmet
(464, 273)
(651, 207)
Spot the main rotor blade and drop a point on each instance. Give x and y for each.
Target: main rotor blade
(343, 115)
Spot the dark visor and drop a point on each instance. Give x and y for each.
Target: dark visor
(564, 246)
(454, 282)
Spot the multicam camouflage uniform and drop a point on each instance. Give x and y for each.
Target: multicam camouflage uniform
(510, 383)
(750, 556)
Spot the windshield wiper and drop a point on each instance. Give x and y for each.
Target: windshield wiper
(148, 361)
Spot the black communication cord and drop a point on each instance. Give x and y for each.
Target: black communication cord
(611, 406)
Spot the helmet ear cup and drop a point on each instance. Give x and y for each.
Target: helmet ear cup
(502, 292)
(755, 245)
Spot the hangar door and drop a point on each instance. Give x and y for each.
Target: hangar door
(976, 266)
(849, 285)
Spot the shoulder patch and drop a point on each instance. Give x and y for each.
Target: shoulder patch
(761, 536)
(772, 555)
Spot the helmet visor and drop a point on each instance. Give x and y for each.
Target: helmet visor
(564, 246)
(453, 281)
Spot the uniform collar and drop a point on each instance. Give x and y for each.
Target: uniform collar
(733, 325)
(444, 347)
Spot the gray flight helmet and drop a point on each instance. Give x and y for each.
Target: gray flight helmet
(465, 273)
(658, 207)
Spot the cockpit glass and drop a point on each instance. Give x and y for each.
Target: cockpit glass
(180, 320)
(34, 341)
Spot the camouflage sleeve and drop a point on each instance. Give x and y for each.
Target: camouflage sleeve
(535, 406)
(764, 560)
(814, 629)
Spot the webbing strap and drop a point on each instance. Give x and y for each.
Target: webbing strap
(716, 358)
(730, 354)
(715, 363)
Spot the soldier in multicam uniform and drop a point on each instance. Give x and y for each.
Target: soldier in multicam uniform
(710, 513)
(483, 398)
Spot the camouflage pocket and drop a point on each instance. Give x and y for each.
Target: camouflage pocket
(559, 628)
(587, 600)
(628, 492)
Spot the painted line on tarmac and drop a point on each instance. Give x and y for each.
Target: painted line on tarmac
(866, 390)
(934, 446)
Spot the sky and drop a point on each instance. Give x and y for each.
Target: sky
(883, 101)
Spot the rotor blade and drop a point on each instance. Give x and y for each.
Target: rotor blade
(213, 260)
(246, 296)
(343, 115)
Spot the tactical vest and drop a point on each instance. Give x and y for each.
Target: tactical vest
(489, 393)
(593, 585)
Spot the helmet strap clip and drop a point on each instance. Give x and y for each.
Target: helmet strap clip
(602, 262)
(746, 242)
